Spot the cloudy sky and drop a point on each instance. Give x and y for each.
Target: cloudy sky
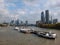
(28, 9)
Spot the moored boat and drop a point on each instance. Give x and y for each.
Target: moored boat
(16, 28)
(46, 34)
(26, 30)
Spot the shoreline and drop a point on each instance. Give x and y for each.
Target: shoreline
(49, 26)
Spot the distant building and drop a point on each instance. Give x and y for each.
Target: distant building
(26, 22)
(21, 23)
(42, 17)
(17, 22)
(55, 21)
(47, 16)
(12, 22)
(38, 22)
(50, 22)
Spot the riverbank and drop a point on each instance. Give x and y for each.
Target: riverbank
(53, 26)
(3, 25)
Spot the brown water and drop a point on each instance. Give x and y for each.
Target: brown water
(8, 36)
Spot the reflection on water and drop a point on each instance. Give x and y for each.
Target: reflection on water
(8, 36)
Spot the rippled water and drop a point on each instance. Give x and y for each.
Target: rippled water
(9, 36)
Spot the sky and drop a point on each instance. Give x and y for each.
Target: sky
(28, 9)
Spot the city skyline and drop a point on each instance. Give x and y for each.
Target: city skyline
(46, 19)
(28, 9)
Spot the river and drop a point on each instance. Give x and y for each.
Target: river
(9, 36)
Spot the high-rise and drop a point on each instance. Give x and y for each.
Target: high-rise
(47, 16)
(42, 17)
(17, 22)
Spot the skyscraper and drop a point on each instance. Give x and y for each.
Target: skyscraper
(42, 17)
(17, 22)
(47, 16)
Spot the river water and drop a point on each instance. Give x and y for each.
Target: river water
(9, 36)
